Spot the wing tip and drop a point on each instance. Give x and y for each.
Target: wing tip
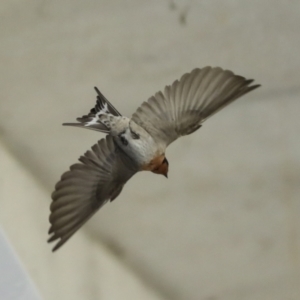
(253, 87)
(57, 246)
(59, 243)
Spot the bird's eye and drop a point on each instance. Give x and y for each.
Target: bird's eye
(134, 135)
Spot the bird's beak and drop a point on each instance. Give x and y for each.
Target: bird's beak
(166, 175)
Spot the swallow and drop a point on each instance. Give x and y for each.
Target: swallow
(136, 144)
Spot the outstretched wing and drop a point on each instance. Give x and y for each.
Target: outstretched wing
(88, 185)
(92, 119)
(187, 103)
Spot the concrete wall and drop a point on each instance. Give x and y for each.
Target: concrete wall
(87, 271)
(226, 223)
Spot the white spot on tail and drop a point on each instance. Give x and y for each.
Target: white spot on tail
(96, 120)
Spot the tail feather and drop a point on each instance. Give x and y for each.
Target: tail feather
(104, 104)
(92, 119)
(97, 127)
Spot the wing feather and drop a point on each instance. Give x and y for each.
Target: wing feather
(87, 186)
(187, 103)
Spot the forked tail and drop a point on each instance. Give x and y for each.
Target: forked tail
(93, 120)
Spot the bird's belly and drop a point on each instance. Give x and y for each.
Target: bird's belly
(143, 151)
(144, 155)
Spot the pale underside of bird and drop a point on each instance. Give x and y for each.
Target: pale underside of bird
(137, 143)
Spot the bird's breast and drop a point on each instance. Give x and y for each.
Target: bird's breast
(142, 149)
(154, 163)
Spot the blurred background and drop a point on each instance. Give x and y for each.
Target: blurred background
(226, 224)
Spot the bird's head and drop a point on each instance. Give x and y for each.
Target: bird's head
(163, 168)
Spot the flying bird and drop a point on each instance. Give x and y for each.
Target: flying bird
(136, 144)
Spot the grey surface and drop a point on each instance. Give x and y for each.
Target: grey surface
(226, 223)
(15, 283)
(89, 271)
(228, 215)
